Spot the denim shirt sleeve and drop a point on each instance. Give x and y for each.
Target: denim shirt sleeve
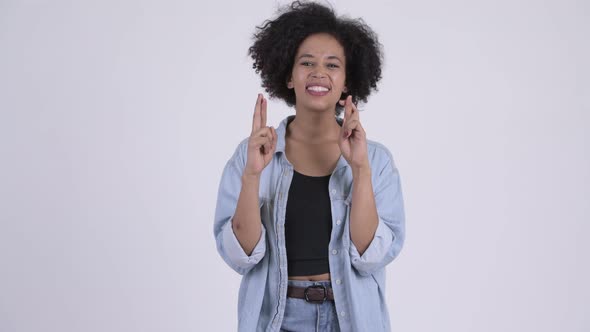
(227, 243)
(390, 234)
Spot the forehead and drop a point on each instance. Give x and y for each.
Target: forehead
(320, 45)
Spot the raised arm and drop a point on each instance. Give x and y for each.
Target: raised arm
(246, 222)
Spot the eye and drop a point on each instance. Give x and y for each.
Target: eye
(307, 63)
(333, 65)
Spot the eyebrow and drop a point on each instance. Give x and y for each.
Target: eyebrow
(307, 55)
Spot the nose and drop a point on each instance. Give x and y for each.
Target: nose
(318, 74)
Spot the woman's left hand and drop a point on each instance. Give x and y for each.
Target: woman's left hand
(353, 139)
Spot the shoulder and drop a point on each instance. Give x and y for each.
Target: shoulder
(240, 153)
(379, 155)
(243, 145)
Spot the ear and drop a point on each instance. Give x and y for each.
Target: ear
(290, 84)
(345, 90)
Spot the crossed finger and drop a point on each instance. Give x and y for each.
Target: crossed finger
(264, 138)
(351, 118)
(259, 120)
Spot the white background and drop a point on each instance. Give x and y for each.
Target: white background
(117, 118)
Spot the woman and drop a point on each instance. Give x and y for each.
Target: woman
(312, 212)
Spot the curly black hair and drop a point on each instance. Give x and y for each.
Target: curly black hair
(276, 43)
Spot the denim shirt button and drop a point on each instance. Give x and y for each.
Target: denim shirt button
(334, 252)
(338, 222)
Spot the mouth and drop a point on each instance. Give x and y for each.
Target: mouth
(317, 89)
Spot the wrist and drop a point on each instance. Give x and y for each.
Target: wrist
(363, 171)
(250, 179)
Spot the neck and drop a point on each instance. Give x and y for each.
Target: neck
(314, 126)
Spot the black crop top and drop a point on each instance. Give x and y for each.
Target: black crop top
(308, 225)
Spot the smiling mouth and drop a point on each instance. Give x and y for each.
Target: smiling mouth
(317, 90)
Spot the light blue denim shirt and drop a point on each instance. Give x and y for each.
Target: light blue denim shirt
(358, 281)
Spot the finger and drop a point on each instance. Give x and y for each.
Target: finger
(351, 126)
(257, 142)
(263, 136)
(347, 115)
(256, 119)
(271, 134)
(355, 124)
(361, 129)
(263, 104)
(348, 107)
(262, 141)
(356, 117)
(344, 103)
(262, 132)
(355, 112)
(267, 145)
(274, 138)
(265, 149)
(269, 140)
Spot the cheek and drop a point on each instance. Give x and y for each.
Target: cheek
(296, 77)
(341, 79)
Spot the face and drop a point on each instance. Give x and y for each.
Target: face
(319, 73)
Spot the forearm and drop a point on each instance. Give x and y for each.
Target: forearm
(246, 222)
(363, 212)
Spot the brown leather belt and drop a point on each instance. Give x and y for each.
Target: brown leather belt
(313, 294)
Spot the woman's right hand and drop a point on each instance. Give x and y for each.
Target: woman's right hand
(262, 141)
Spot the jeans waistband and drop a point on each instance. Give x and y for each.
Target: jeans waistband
(307, 283)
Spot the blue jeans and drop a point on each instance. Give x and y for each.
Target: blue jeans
(303, 316)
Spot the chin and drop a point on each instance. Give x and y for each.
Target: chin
(320, 105)
(323, 107)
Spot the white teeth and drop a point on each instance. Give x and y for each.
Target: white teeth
(317, 88)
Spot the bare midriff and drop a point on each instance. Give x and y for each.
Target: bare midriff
(317, 277)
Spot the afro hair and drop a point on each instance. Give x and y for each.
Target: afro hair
(277, 41)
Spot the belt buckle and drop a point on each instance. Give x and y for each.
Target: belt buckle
(316, 301)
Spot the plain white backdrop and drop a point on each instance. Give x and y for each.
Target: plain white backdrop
(117, 118)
